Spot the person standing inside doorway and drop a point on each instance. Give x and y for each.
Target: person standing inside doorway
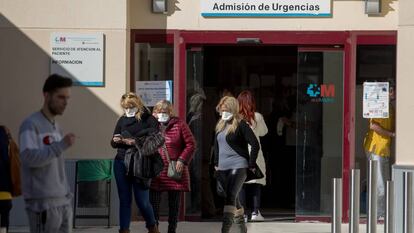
(252, 188)
(44, 184)
(232, 159)
(377, 146)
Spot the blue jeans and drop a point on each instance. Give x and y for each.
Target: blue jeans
(125, 186)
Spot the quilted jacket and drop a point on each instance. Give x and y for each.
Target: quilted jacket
(180, 144)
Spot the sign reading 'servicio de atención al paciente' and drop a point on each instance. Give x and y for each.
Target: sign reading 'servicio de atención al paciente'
(266, 8)
(78, 56)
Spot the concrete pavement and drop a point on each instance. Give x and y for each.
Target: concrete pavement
(214, 227)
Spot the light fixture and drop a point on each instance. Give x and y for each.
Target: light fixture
(372, 7)
(159, 6)
(249, 41)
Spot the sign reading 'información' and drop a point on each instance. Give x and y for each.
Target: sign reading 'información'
(266, 8)
(78, 56)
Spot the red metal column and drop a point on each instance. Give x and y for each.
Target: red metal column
(348, 161)
(179, 94)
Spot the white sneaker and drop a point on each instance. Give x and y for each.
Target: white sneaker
(257, 217)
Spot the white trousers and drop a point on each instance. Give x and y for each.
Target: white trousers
(383, 175)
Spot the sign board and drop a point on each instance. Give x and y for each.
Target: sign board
(266, 8)
(78, 56)
(153, 91)
(376, 100)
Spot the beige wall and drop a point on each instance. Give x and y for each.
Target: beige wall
(25, 30)
(347, 15)
(405, 83)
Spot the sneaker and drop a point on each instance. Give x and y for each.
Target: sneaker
(257, 217)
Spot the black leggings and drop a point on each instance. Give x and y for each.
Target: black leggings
(251, 193)
(232, 181)
(5, 207)
(173, 206)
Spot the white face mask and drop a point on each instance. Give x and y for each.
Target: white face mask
(131, 112)
(225, 116)
(163, 117)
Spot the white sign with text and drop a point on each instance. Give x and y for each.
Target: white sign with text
(78, 56)
(376, 100)
(266, 8)
(153, 91)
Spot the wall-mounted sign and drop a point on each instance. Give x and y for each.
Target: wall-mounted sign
(323, 93)
(153, 91)
(266, 8)
(376, 100)
(78, 56)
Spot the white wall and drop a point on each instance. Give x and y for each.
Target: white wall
(347, 15)
(25, 28)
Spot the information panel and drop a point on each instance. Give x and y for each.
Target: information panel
(266, 8)
(78, 56)
(153, 91)
(376, 100)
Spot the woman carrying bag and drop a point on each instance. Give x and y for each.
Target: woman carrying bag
(176, 154)
(232, 160)
(137, 122)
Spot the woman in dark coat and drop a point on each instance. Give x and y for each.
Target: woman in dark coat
(180, 145)
(232, 159)
(136, 122)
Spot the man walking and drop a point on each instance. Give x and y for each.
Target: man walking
(45, 188)
(377, 146)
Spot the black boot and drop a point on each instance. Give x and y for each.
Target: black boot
(172, 228)
(228, 216)
(239, 220)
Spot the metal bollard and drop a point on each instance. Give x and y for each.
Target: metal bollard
(372, 197)
(389, 208)
(408, 202)
(337, 205)
(355, 201)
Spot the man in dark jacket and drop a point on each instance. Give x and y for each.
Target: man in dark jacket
(5, 181)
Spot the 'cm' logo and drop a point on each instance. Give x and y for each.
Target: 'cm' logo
(324, 90)
(60, 39)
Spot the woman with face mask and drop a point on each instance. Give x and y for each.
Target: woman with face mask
(232, 159)
(180, 146)
(136, 121)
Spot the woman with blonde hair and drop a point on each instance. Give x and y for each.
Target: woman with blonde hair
(136, 122)
(232, 159)
(179, 146)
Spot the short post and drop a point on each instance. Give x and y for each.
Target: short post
(389, 208)
(408, 202)
(337, 205)
(372, 197)
(355, 201)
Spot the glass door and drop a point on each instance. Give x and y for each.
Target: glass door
(318, 124)
(195, 100)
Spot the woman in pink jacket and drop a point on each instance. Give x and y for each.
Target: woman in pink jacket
(180, 145)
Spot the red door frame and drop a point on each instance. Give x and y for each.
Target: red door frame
(181, 39)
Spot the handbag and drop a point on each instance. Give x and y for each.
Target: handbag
(149, 144)
(144, 167)
(172, 171)
(254, 175)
